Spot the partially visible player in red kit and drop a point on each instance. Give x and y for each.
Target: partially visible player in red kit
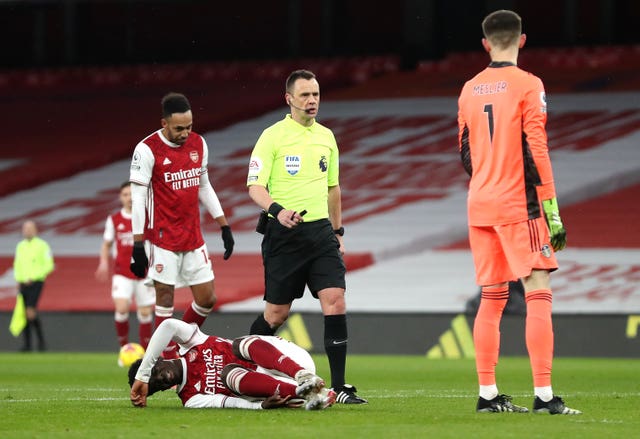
(124, 285)
(169, 178)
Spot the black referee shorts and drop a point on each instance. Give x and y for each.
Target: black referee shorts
(31, 293)
(308, 254)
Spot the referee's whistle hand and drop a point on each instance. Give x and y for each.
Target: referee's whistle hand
(290, 218)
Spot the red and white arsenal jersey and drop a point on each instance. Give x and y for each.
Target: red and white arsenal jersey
(118, 229)
(203, 366)
(172, 174)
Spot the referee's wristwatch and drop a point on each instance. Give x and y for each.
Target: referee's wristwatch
(339, 231)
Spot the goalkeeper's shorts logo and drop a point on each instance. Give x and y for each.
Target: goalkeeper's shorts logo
(546, 251)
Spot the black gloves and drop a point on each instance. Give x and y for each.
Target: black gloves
(140, 262)
(227, 238)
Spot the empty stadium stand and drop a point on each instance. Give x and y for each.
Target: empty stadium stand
(402, 184)
(68, 120)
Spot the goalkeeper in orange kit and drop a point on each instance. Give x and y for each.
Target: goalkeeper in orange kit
(514, 222)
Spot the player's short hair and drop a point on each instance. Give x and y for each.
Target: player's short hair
(133, 370)
(174, 103)
(125, 184)
(295, 75)
(502, 28)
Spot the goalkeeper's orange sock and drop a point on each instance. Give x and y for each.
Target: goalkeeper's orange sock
(486, 337)
(539, 336)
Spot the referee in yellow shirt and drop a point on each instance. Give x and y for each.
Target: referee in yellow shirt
(293, 175)
(32, 264)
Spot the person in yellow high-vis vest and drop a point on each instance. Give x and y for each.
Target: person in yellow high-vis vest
(32, 264)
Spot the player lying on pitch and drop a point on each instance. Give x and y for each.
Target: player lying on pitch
(250, 372)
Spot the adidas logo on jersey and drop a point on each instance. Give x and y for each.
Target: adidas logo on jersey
(166, 161)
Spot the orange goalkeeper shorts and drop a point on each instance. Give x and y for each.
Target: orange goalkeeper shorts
(511, 251)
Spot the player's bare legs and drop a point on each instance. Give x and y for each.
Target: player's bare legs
(164, 294)
(121, 305)
(275, 315)
(271, 319)
(145, 311)
(204, 294)
(537, 280)
(332, 301)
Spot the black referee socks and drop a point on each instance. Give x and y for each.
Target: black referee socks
(261, 327)
(335, 344)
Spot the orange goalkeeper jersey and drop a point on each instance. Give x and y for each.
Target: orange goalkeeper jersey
(502, 114)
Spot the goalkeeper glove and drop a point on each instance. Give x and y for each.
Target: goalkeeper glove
(140, 262)
(556, 230)
(227, 239)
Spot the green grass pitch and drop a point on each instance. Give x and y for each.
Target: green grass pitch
(75, 395)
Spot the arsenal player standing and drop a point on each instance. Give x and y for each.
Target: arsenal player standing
(125, 285)
(168, 177)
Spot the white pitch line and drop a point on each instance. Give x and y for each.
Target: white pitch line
(381, 394)
(74, 389)
(62, 399)
(453, 394)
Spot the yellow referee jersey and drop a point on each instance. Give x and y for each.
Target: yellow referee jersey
(33, 260)
(297, 164)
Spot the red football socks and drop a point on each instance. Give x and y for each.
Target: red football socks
(268, 356)
(251, 383)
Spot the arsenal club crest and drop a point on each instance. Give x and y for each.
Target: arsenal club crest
(194, 156)
(159, 268)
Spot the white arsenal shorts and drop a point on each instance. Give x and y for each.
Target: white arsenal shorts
(123, 287)
(180, 268)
